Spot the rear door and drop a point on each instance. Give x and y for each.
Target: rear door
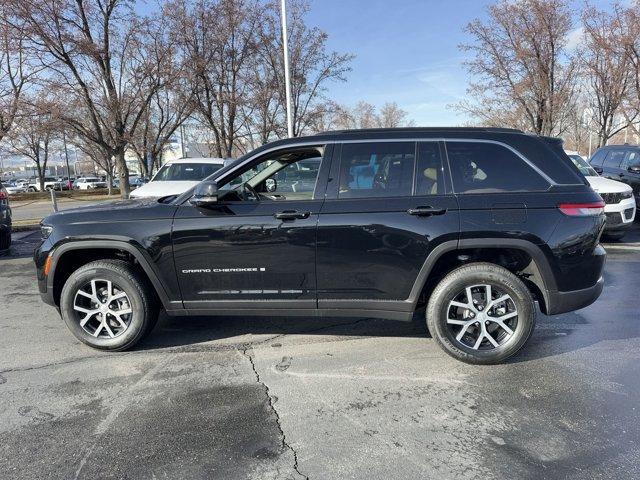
(389, 204)
(499, 192)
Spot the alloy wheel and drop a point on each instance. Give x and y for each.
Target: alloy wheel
(482, 317)
(102, 309)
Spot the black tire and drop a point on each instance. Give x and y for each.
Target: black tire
(500, 279)
(140, 295)
(613, 235)
(5, 240)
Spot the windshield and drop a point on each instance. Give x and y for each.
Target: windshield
(584, 167)
(186, 171)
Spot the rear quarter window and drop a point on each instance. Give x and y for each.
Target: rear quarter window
(479, 167)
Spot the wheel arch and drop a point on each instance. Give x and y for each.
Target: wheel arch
(85, 251)
(528, 262)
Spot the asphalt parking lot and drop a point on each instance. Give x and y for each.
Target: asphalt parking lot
(322, 399)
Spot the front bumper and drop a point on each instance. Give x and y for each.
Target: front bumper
(620, 215)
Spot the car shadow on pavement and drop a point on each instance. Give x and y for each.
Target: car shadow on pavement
(192, 331)
(22, 246)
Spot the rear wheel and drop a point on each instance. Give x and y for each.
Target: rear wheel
(108, 305)
(481, 313)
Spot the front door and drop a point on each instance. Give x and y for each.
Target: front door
(389, 204)
(256, 247)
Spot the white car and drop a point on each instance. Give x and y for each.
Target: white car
(13, 188)
(89, 183)
(178, 176)
(620, 206)
(50, 183)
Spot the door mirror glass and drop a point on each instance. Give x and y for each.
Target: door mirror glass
(205, 193)
(271, 185)
(597, 169)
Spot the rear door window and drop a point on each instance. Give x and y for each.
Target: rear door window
(377, 169)
(614, 158)
(630, 160)
(483, 167)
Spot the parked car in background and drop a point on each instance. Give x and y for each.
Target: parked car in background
(89, 183)
(620, 206)
(5, 219)
(15, 187)
(621, 163)
(50, 183)
(178, 176)
(134, 182)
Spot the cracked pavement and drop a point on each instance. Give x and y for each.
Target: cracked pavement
(293, 398)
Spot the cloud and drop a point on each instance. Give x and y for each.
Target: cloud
(575, 38)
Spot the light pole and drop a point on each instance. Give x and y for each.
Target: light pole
(287, 79)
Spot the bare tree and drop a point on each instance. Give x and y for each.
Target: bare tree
(518, 52)
(16, 71)
(365, 115)
(312, 65)
(628, 40)
(96, 52)
(220, 45)
(99, 156)
(606, 70)
(392, 116)
(35, 135)
(169, 106)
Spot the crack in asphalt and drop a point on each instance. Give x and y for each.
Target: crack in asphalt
(182, 349)
(285, 444)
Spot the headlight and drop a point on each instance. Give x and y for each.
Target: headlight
(628, 194)
(45, 231)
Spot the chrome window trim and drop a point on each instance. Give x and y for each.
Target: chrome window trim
(325, 143)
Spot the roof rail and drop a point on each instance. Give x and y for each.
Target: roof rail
(422, 129)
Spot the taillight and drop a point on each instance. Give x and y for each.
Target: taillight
(3, 194)
(592, 209)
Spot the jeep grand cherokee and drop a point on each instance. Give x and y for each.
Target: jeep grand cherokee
(473, 224)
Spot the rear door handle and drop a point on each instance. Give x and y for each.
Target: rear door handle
(292, 215)
(426, 211)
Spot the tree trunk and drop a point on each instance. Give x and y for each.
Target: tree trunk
(41, 171)
(123, 171)
(144, 167)
(109, 182)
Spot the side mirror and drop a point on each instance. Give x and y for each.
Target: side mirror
(597, 169)
(634, 168)
(205, 194)
(271, 184)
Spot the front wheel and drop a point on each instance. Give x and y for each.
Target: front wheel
(108, 305)
(481, 313)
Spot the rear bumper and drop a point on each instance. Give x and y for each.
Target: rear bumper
(563, 302)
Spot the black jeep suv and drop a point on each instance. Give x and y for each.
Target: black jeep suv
(621, 163)
(473, 224)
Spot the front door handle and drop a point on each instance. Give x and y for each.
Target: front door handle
(426, 211)
(621, 174)
(292, 215)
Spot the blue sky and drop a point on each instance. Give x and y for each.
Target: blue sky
(406, 51)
